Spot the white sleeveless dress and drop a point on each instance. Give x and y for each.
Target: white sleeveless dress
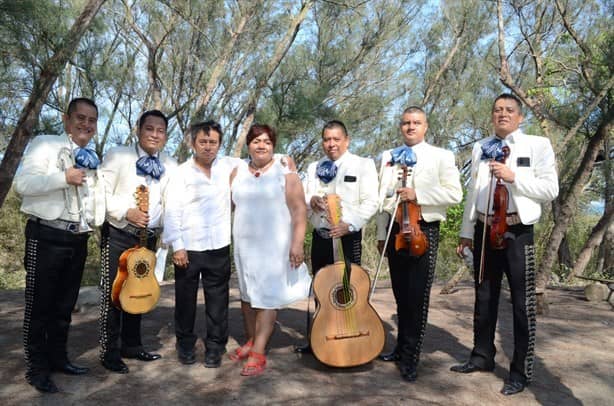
(262, 233)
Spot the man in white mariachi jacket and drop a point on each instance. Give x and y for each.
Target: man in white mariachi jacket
(530, 177)
(58, 183)
(351, 177)
(123, 170)
(433, 182)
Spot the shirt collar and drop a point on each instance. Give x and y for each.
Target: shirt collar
(511, 137)
(141, 152)
(340, 160)
(417, 147)
(215, 162)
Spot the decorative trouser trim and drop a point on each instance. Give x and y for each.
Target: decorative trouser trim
(531, 304)
(30, 265)
(412, 278)
(432, 234)
(105, 295)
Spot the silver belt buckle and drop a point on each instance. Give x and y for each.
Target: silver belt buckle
(72, 227)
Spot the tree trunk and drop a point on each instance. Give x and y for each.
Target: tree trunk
(565, 254)
(29, 115)
(568, 205)
(451, 284)
(281, 49)
(593, 241)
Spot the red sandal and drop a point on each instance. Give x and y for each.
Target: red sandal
(242, 352)
(256, 367)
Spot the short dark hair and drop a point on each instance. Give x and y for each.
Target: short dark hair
(508, 96)
(335, 124)
(72, 106)
(414, 109)
(206, 127)
(154, 113)
(256, 130)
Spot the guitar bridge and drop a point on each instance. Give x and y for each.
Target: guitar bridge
(139, 296)
(348, 335)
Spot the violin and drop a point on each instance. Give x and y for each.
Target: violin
(498, 227)
(410, 237)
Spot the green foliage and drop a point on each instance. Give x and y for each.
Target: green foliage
(12, 243)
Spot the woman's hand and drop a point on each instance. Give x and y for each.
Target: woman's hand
(296, 255)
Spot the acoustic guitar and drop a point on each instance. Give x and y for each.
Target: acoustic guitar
(135, 288)
(346, 330)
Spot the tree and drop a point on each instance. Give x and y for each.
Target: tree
(48, 74)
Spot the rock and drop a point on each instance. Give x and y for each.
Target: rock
(596, 292)
(89, 296)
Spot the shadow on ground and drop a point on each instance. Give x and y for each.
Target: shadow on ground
(574, 364)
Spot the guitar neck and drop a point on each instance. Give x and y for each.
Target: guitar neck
(338, 251)
(143, 237)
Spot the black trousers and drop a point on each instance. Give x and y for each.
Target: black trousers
(114, 323)
(411, 279)
(517, 261)
(322, 249)
(213, 268)
(54, 261)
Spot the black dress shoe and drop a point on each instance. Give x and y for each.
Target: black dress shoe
(512, 388)
(115, 366)
(43, 383)
(213, 359)
(142, 356)
(186, 357)
(303, 349)
(71, 369)
(408, 373)
(468, 367)
(391, 356)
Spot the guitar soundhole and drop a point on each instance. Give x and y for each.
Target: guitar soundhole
(342, 298)
(141, 269)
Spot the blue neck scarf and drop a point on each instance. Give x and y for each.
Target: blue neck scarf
(403, 155)
(493, 149)
(326, 171)
(86, 158)
(149, 166)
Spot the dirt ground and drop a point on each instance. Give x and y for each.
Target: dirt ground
(574, 363)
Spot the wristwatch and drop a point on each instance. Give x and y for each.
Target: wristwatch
(351, 228)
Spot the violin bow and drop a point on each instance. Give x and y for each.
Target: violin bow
(381, 258)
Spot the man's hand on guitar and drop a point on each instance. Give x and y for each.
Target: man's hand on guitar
(180, 259)
(137, 217)
(339, 230)
(317, 204)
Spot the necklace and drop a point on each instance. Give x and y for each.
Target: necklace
(258, 170)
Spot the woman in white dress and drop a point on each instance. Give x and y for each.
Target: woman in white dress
(268, 235)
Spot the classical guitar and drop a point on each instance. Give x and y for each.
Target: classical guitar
(346, 329)
(135, 288)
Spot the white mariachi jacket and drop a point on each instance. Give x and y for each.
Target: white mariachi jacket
(532, 161)
(118, 172)
(41, 181)
(355, 183)
(435, 179)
